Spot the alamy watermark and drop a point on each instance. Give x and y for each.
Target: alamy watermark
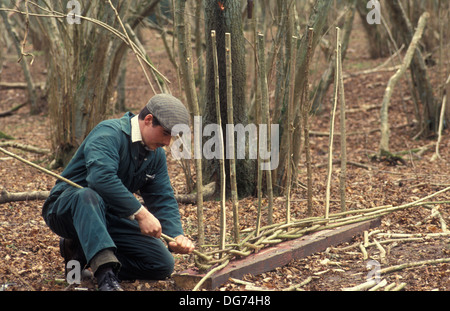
(73, 272)
(73, 16)
(374, 15)
(374, 273)
(258, 143)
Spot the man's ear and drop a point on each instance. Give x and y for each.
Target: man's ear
(148, 119)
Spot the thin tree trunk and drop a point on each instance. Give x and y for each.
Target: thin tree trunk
(222, 158)
(230, 108)
(384, 140)
(199, 49)
(290, 129)
(265, 114)
(317, 21)
(305, 111)
(185, 53)
(430, 120)
(343, 173)
(223, 17)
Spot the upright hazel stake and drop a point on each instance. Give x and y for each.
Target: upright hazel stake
(290, 128)
(230, 134)
(333, 113)
(219, 122)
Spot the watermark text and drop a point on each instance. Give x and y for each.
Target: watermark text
(374, 15)
(73, 17)
(251, 141)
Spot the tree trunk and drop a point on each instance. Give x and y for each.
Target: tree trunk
(384, 141)
(431, 106)
(317, 23)
(223, 17)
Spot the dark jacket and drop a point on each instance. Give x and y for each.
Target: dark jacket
(107, 162)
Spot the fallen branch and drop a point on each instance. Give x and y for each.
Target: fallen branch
(319, 133)
(19, 85)
(362, 247)
(360, 287)
(208, 190)
(373, 285)
(381, 284)
(6, 197)
(394, 238)
(373, 70)
(413, 235)
(380, 68)
(252, 287)
(398, 287)
(297, 286)
(13, 109)
(24, 147)
(414, 264)
(357, 164)
(382, 251)
(211, 272)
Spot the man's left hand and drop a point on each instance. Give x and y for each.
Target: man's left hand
(182, 245)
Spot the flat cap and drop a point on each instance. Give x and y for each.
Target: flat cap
(169, 110)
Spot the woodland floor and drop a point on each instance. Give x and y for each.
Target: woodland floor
(29, 253)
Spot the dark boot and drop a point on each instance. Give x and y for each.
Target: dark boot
(107, 280)
(106, 266)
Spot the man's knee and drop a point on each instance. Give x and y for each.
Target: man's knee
(89, 201)
(90, 197)
(147, 268)
(169, 267)
(162, 269)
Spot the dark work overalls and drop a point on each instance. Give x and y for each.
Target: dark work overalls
(107, 165)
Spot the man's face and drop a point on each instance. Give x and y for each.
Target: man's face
(154, 136)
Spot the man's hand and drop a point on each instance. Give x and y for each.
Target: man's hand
(148, 223)
(181, 245)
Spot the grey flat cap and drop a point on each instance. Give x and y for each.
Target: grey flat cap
(169, 110)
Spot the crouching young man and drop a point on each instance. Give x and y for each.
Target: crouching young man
(104, 226)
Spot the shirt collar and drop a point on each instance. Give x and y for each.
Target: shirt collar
(136, 135)
(135, 130)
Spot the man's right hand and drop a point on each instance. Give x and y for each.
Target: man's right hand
(148, 223)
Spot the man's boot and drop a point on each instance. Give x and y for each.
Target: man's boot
(107, 280)
(105, 266)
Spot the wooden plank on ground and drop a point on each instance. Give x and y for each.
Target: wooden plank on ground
(277, 256)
